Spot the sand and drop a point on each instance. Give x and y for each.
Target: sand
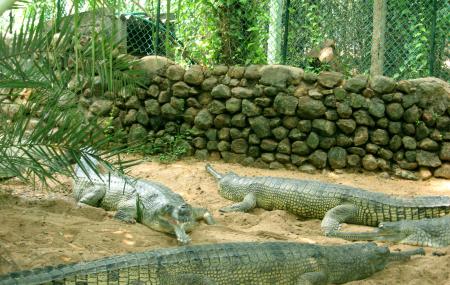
(44, 227)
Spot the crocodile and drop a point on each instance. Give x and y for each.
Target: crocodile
(137, 200)
(427, 232)
(333, 203)
(225, 263)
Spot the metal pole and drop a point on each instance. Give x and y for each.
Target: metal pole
(286, 30)
(158, 19)
(432, 57)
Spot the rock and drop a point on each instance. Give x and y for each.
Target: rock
(412, 114)
(152, 107)
(362, 117)
(428, 144)
(280, 133)
(394, 111)
(209, 83)
(280, 75)
(372, 148)
(376, 108)
(356, 150)
(327, 142)
(269, 145)
(409, 142)
(361, 136)
(405, 86)
(239, 146)
(189, 114)
(137, 134)
(429, 159)
(422, 131)
(313, 140)
(318, 159)
(242, 93)
(199, 142)
(369, 162)
(344, 111)
(443, 171)
(330, 101)
(357, 101)
(307, 168)
(407, 165)
(194, 75)
(425, 173)
(236, 71)
(235, 133)
(252, 72)
(382, 84)
(310, 77)
(337, 157)
(310, 109)
(283, 158)
(253, 139)
(304, 126)
(101, 107)
(175, 72)
(142, 117)
(164, 97)
(331, 115)
(284, 146)
(250, 109)
(268, 157)
(433, 94)
(380, 137)
(154, 65)
(395, 127)
(443, 123)
(169, 112)
(276, 165)
(222, 121)
(296, 134)
(347, 126)
(221, 91)
(356, 84)
(201, 154)
(353, 161)
(153, 91)
(324, 127)
(343, 140)
(405, 174)
(290, 122)
(238, 120)
(233, 105)
(263, 101)
(181, 89)
(216, 107)
(254, 151)
(285, 104)
(219, 70)
(330, 79)
(408, 129)
(203, 120)
(410, 100)
(300, 148)
(444, 154)
(223, 146)
(410, 155)
(385, 153)
(260, 125)
(177, 103)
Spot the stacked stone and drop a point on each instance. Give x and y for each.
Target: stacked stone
(280, 117)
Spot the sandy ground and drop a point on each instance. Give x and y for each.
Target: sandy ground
(40, 228)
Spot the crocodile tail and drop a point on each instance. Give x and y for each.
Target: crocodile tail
(405, 255)
(213, 172)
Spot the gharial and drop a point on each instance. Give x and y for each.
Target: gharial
(228, 263)
(137, 200)
(427, 232)
(334, 203)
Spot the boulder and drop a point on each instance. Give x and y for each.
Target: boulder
(330, 79)
(337, 157)
(260, 125)
(175, 72)
(203, 120)
(221, 91)
(250, 109)
(382, 84)
(285, 104)
(194, 75)
(280, 75)
(309, 108)
(429, 159)
(356, 84)
(324, 127)
(443, 171)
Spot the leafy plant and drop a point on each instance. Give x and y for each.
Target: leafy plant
(44, 57)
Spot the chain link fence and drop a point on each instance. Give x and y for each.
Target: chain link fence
(313, 34)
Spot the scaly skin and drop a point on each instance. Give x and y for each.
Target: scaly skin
(138, 200)
(229, 263)
(426, 232)
(334, 203)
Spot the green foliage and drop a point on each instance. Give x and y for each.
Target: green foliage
(45, 56)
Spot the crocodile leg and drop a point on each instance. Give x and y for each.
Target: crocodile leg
(180, 233)
(203, 214)
(313, 278)
(127, 212)
(93, 196)
(335, 217)
(246, 205)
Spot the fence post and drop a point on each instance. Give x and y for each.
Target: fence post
(286, 31)
(275, 23)
(378, 37)
(432, 57)
(158, 19)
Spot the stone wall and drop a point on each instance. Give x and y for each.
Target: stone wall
(279, 116)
